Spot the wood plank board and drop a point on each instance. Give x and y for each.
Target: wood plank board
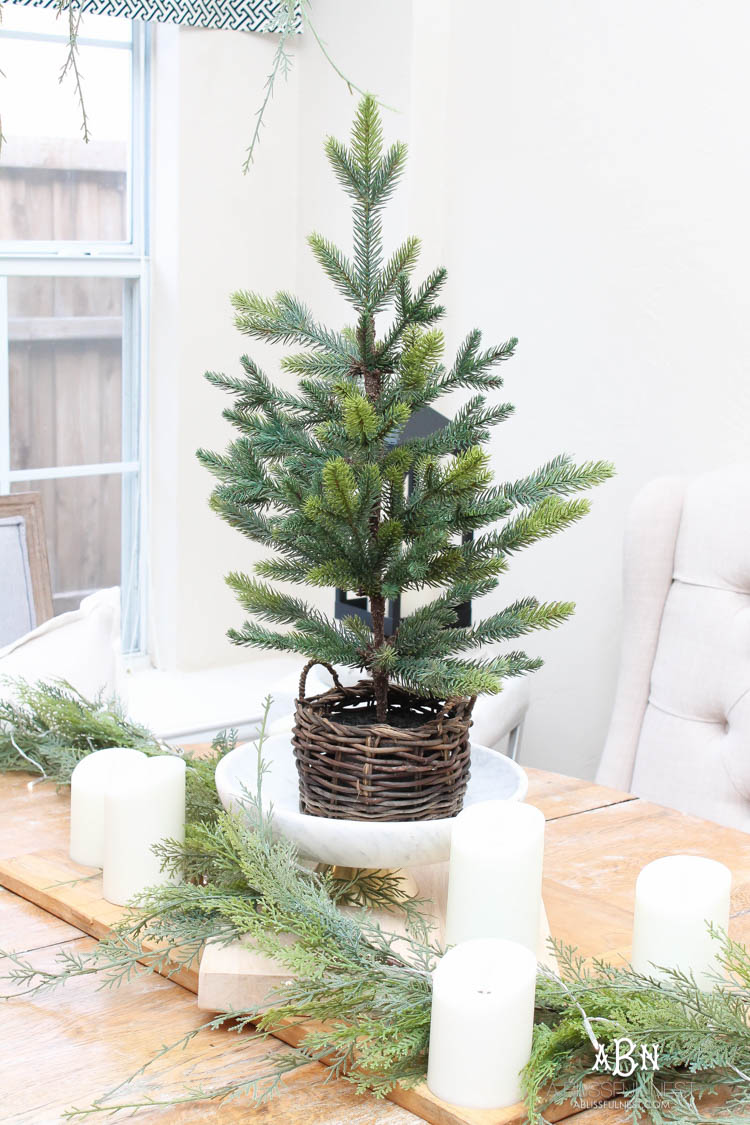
(71, 1047)
(592, 861)
(48, 879)
(596, 842)
(74, 894)
(34, 815)
(560, 796)
(236, 977)
(118, 1030)
(52, 881)
(35, 812)
(25, 927)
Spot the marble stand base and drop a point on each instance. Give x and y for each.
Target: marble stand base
(357, 843)
(236, 978)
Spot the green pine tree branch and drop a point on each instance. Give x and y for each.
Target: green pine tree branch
(317, 476)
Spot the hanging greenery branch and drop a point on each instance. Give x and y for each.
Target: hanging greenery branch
(369, 988)
(293, 12)
(292, 17)
(280, 66)
(70, 65)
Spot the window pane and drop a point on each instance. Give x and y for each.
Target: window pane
(48, 21)
(82, 520)
(53, 186)
(65, 352)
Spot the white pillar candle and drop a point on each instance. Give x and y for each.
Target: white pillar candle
(88, 784)
(146, 807)
(675, 899)
(495, 881)
(481, 1023)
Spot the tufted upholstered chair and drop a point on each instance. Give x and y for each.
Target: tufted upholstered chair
(680, 728)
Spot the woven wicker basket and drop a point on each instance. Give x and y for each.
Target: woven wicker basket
(375, 771)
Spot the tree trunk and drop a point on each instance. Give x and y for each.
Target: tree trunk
(372, 382)
(379, 678)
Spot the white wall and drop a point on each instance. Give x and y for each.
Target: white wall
(582, 170)
(214, 231)
(600, 174)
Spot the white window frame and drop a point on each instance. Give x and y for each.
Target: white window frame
(128, 260)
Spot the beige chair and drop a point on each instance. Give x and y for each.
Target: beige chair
(25, 593)
(680, 728)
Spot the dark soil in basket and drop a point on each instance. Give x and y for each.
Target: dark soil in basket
(364, 716)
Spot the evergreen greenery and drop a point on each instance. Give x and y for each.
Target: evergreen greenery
(290, 17)
(240, 881)
(703, 1038)
(373, 995)
(47, 728)
(317, 476)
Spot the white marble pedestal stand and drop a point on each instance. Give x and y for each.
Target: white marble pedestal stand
(234, 977)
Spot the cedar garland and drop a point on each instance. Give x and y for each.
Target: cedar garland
(374, 998)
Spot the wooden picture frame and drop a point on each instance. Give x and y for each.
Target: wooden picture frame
(28, 506)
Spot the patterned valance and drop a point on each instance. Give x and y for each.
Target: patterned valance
(235, 15)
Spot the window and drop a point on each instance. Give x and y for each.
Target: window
(73, 299)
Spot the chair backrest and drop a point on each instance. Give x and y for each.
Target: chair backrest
(680, 730)
(25, 594)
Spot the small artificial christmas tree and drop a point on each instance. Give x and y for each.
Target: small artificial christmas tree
(318, 477)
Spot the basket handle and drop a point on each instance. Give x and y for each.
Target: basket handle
(448, 704)
(311, 664)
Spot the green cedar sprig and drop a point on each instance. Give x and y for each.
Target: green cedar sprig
(703, 1037)
(373, 992)
(243, 882)
(47, 728)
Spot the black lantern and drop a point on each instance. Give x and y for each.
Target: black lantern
(425, 422)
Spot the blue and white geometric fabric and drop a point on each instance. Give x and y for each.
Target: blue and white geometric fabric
(236, 15)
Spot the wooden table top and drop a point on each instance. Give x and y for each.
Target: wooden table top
(74, 1044)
